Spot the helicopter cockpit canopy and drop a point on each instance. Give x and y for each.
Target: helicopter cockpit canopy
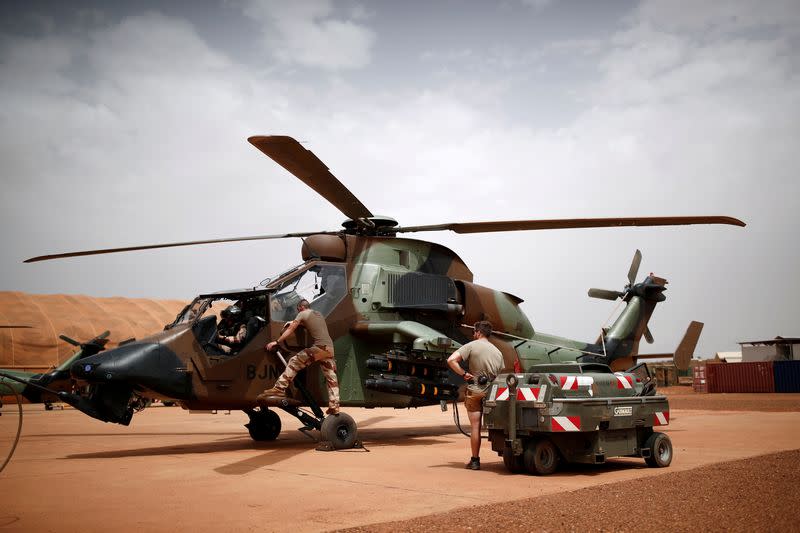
(253, 302)
(323, 285)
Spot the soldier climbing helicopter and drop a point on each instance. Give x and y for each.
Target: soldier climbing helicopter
(395, 308)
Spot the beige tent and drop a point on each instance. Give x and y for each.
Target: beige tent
(80, 317)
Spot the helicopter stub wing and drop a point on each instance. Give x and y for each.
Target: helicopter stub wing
(568, 223)
(308, 168)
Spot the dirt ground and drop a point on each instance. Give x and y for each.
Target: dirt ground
(754, 494)
(683, 398)
(175, 470)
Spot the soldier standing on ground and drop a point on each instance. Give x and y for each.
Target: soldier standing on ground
(484, 360)
(321, 350)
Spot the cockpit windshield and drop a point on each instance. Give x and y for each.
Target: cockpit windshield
(252, 303)
(322, 285)
(196, 309)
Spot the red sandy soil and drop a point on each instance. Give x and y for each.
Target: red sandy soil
(684, 398)
(755, 494)
(733, 470)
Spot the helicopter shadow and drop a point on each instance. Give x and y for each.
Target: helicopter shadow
(405, 436)
(263, 460)
(154, 434)
(222, 445)
(281, 449)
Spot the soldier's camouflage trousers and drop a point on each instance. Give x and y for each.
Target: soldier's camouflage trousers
(327, 365)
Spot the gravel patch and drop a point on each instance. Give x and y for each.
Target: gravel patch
(756, 494)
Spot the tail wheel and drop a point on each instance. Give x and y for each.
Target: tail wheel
(660, 450)
(264, 425)
(540, 457)
(514, 463)
(340, 430)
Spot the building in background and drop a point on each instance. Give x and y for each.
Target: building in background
(728, 357)
(777, 349)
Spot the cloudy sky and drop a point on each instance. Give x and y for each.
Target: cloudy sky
(126, 124)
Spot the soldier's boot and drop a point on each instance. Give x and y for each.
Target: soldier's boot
(269, 396)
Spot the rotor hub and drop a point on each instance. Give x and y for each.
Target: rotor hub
(376, 225)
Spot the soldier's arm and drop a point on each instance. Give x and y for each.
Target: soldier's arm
(287, 331)
(241, 334)
(453, 362)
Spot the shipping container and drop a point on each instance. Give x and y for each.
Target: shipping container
(699, 378)
(741, 377)
(787, 376)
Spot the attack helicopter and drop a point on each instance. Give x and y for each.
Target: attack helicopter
(396, 308)
(38, 387)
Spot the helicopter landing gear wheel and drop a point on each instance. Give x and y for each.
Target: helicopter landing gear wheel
(540, 457)
(264, 425)
(340, 430)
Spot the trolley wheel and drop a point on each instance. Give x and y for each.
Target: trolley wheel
(340, 430)
(660, 450)
(264, 425)
(514, 463)
(540, 457)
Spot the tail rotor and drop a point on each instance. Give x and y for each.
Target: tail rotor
(651, 289)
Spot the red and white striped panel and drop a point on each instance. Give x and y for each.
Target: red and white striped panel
(573, 382)
(661, 418)
(623, 381)
(501, 394)
(565, 423)
(531, 394)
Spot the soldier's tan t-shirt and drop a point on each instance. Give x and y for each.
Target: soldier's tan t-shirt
(316, 327)
(484, 359)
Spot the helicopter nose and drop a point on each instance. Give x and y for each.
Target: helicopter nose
(142, 365)
(111, 365)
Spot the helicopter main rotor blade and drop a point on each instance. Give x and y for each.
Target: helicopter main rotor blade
(308, 168)
(171, 245)
(634, 269)
(569, 223)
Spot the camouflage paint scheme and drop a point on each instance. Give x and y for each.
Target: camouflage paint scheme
(408, 305)
(371, 319)
(57, 379)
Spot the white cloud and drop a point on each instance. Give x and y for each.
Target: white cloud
(306, 33)
(149, 147)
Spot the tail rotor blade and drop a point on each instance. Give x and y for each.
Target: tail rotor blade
(647, 335)
(637, 260)
(604, 294)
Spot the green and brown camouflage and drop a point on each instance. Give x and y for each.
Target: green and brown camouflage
(404, 303)
(57, 379)
(395, 307)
